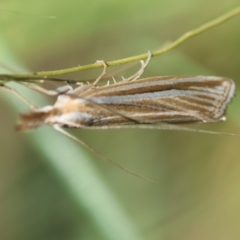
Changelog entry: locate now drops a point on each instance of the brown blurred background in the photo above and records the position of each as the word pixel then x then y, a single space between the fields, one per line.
pixel 196 193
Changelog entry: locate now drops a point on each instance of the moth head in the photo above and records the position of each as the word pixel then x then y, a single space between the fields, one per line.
pixel 32 120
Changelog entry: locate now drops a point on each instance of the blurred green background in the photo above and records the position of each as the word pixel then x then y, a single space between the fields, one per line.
pixel 52 188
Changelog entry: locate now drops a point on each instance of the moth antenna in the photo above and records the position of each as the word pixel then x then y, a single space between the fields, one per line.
pixel 20 96
pixel 59 129
pixel 103 72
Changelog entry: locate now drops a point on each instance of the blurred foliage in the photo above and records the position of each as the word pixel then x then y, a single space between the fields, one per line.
pixel 195 194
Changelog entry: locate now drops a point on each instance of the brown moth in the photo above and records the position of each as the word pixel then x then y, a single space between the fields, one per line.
pixel 169 99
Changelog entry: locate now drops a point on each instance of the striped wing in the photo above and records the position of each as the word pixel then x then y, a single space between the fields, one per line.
pixel 170 99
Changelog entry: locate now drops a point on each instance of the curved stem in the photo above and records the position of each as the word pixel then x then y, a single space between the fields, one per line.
pixel 223 18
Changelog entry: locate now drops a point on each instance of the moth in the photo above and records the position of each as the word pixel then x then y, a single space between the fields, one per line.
pixel 153 100
pixel 144 103
pixel 159 102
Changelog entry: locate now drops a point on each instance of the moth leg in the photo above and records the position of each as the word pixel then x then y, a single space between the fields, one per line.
pixel 138 74
pixel 19 95
pixel 80 89
pixel 66 89
pixel 60 90
pixel 61 130
pixel 114 80
pixel 83 88
pixel 103 72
